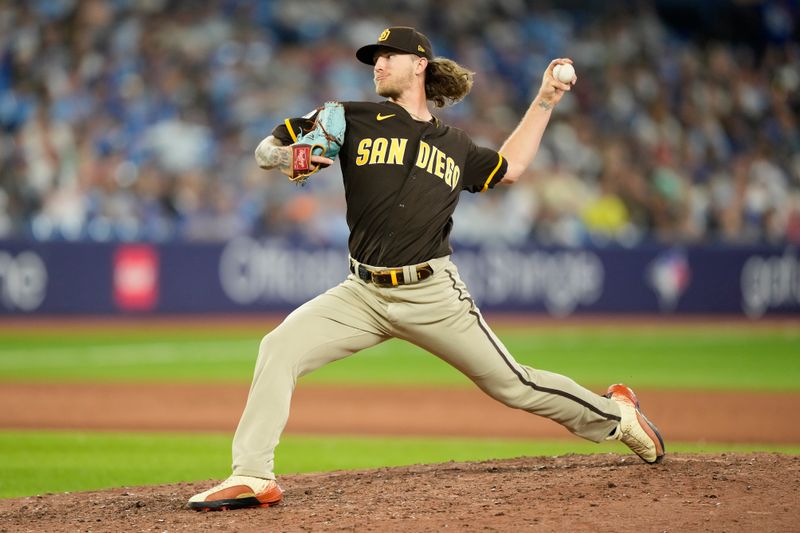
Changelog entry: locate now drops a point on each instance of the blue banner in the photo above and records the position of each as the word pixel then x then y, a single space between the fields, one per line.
pixel 246 275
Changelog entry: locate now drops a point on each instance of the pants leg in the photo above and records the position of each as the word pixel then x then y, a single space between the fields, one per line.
pixel 440 316
pixel 332 326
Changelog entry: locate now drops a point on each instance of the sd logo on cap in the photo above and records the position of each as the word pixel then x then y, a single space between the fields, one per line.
pixel 399 38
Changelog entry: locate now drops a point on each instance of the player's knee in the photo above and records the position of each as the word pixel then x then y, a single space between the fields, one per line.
pixel 273 357
pixel 273 339
pixel 283 341
pixel 264 345
pixel 271 345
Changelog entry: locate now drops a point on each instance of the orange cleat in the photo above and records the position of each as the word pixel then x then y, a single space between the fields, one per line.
pixel 238 492
pixel 635 430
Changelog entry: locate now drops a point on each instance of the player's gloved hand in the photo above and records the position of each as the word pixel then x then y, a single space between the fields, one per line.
pixel 319 145
pixel 295 161
pixel 303 162
pixel 314 150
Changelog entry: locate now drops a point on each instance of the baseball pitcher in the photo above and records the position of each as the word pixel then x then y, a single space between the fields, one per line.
pixel 404 171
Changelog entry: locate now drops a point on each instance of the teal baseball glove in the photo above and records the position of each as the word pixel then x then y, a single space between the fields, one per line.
pixel 325 139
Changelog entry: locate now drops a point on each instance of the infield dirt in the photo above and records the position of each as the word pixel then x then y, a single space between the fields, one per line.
pixel 687 416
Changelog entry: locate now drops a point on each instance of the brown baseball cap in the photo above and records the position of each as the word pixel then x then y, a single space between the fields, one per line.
pixel 400 38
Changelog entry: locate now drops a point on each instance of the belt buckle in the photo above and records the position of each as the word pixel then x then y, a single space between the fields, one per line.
pixel 388 278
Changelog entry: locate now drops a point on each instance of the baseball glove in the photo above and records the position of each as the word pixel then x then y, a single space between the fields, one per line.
pixel 325 138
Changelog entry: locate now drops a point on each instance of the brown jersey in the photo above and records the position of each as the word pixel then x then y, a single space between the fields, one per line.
pixel 402 180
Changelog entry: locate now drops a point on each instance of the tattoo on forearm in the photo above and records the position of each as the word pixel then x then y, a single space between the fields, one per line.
pixel 545 105
pixel 283 156
pixel 270 156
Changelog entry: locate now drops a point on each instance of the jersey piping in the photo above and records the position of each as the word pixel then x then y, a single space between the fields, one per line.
pixel 489 179
pixel 516 371
pixel 289 128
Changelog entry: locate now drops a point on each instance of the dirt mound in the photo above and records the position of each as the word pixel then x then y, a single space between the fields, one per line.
pixel 726 492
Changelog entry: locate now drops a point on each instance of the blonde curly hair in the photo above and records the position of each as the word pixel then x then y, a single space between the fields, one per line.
pixel 446 82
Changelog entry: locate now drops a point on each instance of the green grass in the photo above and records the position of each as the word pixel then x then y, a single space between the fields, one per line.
pixel 714 356
pixel 59 461
pixel 717 356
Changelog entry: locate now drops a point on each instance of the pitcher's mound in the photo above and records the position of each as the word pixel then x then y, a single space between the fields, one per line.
pixel 687 492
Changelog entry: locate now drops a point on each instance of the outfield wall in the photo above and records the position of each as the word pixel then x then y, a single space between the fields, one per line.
pixel 247 275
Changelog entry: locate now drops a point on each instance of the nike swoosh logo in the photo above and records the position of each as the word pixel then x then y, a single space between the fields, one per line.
pixel 384 117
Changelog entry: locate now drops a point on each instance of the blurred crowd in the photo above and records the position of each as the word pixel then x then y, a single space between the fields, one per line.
pixel 137 119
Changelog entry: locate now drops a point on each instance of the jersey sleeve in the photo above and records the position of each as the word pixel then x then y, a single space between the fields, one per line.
pixel 292 128
pixel 484 169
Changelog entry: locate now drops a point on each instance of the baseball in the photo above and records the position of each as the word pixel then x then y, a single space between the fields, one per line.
pixel 564 72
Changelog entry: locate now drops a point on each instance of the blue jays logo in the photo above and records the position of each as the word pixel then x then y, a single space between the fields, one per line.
pixel 669 274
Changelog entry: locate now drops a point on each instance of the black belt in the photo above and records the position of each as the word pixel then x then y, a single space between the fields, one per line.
pixel 389 277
